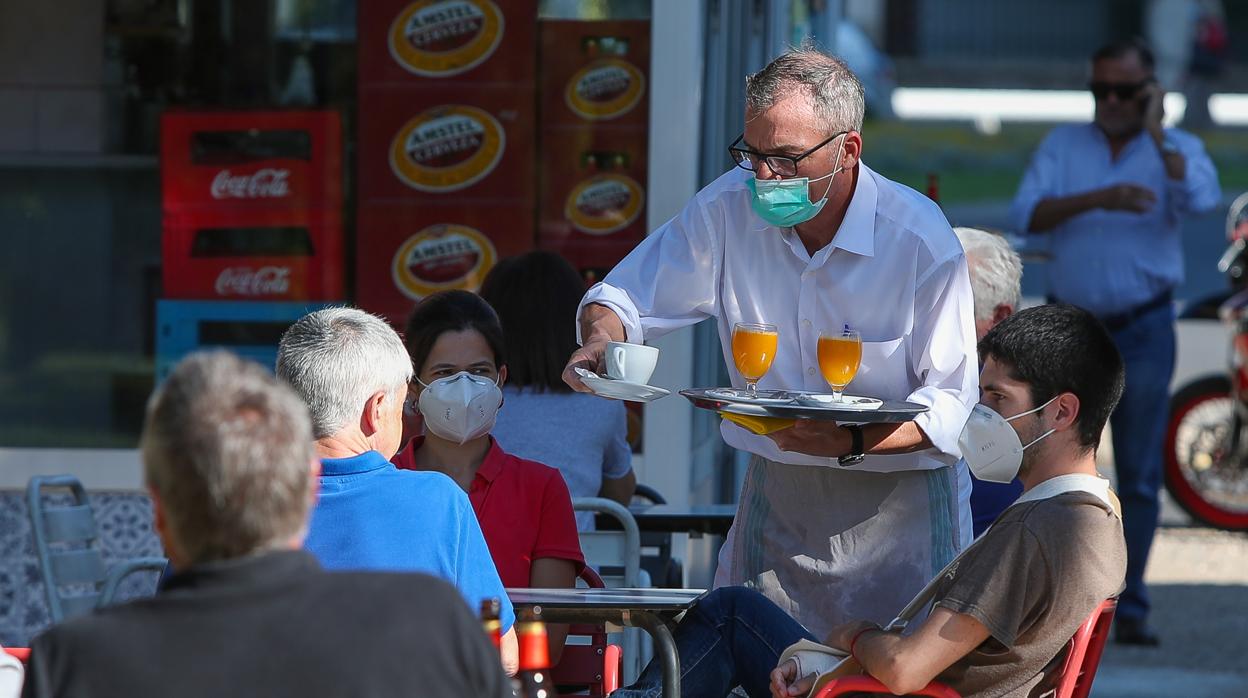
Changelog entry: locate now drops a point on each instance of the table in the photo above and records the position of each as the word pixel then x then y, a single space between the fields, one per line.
pixel 714 519
pixel 647 609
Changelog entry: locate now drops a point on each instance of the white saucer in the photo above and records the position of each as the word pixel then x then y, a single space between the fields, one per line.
pixel 764 397
pixel 620 390
pixel 848 402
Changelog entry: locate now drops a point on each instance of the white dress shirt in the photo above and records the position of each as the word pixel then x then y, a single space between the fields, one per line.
pixel 894 271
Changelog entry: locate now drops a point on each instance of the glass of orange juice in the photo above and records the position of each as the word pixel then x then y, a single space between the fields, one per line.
pixel 753 350
pixel 839 356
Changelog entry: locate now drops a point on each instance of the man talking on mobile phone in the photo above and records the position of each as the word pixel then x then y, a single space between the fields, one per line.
pixel 1111 195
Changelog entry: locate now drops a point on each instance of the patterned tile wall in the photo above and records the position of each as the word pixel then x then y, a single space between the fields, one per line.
pixel 124 522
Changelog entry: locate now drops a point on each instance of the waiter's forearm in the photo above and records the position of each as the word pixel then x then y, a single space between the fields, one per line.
pixel 598 322
pixel 893 439
pixel 1052 212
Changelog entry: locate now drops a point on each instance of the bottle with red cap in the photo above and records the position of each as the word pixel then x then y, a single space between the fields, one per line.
pixel 491 611
pixel 533 678
pixel 933 187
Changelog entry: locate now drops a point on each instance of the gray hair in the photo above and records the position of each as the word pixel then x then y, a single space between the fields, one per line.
pixel 227 449
pixel 336 359
pixel 996 270
pixel 835 92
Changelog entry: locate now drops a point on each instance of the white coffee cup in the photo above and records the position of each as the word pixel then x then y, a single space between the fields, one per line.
pixel 631 362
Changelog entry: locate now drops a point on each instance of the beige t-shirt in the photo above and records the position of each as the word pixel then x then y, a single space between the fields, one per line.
pixel 1033 579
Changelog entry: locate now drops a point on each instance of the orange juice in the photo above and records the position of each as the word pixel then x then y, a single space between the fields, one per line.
pixel 838 359
pixel 753 352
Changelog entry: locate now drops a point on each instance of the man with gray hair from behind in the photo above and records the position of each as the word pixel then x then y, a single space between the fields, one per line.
pixel 996 282
pixel 229 462
pixel 352 371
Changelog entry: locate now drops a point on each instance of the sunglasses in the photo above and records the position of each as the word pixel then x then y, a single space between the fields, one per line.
pixel 1122 90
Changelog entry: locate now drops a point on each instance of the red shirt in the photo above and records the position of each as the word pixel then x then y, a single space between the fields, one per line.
pixel 524 510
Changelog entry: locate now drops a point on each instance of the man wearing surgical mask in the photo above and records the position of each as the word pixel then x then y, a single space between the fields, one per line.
pixel 803 235
pixel 455 342
pixel 352 371
pixel 1010 603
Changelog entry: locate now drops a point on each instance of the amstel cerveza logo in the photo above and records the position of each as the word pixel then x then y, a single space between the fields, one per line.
pixel 605 89
pixel 437 38
pixel 604 204
pixel 441 257
pixel 447 148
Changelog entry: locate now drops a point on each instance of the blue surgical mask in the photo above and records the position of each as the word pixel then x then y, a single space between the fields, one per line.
pixel 785 203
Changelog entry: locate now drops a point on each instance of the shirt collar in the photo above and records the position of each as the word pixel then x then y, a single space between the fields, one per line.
pixel 267 566
pixel 857 231
pixel 493 463
pixel 355 465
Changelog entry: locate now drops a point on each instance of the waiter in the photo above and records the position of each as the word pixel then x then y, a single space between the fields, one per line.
pixel 803 235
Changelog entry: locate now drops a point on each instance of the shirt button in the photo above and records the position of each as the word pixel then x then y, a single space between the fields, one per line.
pixel 810 371
pixel 806 324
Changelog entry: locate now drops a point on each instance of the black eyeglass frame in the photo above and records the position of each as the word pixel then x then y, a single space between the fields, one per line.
pixel 742 156
pixel 1124 91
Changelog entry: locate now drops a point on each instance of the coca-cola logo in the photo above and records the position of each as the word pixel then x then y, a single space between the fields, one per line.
pixel 442 257
pixel 267 183
pixel 447 148
pixel 605 89
pixel 604 204
pixel 437 38
pixel 245 281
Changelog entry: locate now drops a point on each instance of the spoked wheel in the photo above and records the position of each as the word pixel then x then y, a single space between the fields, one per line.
pixel 1204 473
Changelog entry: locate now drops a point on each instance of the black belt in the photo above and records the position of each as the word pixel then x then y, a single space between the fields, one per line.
pixel 1116 321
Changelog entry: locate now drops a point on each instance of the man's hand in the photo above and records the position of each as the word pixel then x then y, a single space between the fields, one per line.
pixel 814 438
pixel 786 684
pixel 599 325
pixel 1154 110
pixel 1126 197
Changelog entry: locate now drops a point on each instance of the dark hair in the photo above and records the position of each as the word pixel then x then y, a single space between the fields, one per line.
pixel 1058 349
pixel 451 311
pixel 536 296
pixel 1122 47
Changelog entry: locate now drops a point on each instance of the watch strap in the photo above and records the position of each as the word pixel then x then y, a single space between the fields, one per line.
pixel 856 451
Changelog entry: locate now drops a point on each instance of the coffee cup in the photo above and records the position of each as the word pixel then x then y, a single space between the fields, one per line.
pixel 633 363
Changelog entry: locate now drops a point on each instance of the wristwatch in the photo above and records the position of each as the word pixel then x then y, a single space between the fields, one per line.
pixel 856 452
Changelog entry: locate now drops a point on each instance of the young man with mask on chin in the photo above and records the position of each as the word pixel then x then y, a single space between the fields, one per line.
pixel 1012 600
pixel 1111 197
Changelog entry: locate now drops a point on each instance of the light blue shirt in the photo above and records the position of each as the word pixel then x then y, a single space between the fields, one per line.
pixel 1111 261
pixel 582 435
pixel 372 516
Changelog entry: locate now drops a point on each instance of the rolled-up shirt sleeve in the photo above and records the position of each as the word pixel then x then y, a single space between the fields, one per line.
pixel 1198 191
pixel 667 282
pixel 1038 184
pixel 944 358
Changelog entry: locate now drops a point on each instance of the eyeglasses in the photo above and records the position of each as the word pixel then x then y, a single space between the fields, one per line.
pixel 1122 90
pixel 783 165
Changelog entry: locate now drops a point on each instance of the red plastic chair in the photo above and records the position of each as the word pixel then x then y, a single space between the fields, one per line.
pixel 1073 679
pixel 595 667
pixel 21 654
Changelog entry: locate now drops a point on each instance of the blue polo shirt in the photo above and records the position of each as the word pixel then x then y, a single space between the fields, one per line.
pixel 373 516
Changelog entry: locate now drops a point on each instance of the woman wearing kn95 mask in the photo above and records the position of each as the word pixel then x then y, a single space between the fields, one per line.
pixel 455 341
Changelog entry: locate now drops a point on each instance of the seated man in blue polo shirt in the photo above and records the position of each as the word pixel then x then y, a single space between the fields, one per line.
pixel 352 370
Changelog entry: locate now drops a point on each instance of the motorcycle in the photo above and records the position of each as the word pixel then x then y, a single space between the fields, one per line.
pixel 1206 448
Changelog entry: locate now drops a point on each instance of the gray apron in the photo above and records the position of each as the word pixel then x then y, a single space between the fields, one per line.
pixel 830 545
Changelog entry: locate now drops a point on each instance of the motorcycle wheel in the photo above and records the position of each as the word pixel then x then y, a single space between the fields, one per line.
pixel 1209 483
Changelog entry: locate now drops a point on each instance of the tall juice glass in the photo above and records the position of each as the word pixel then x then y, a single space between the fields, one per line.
pixel 753 350
pixel 839 356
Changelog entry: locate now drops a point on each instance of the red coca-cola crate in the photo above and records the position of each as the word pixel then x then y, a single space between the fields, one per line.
pixel 446 142
pixel 593 190
pixel 404 42
pixel 594 72
pixel 253 255
pixel 251 159
pixel 405 253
